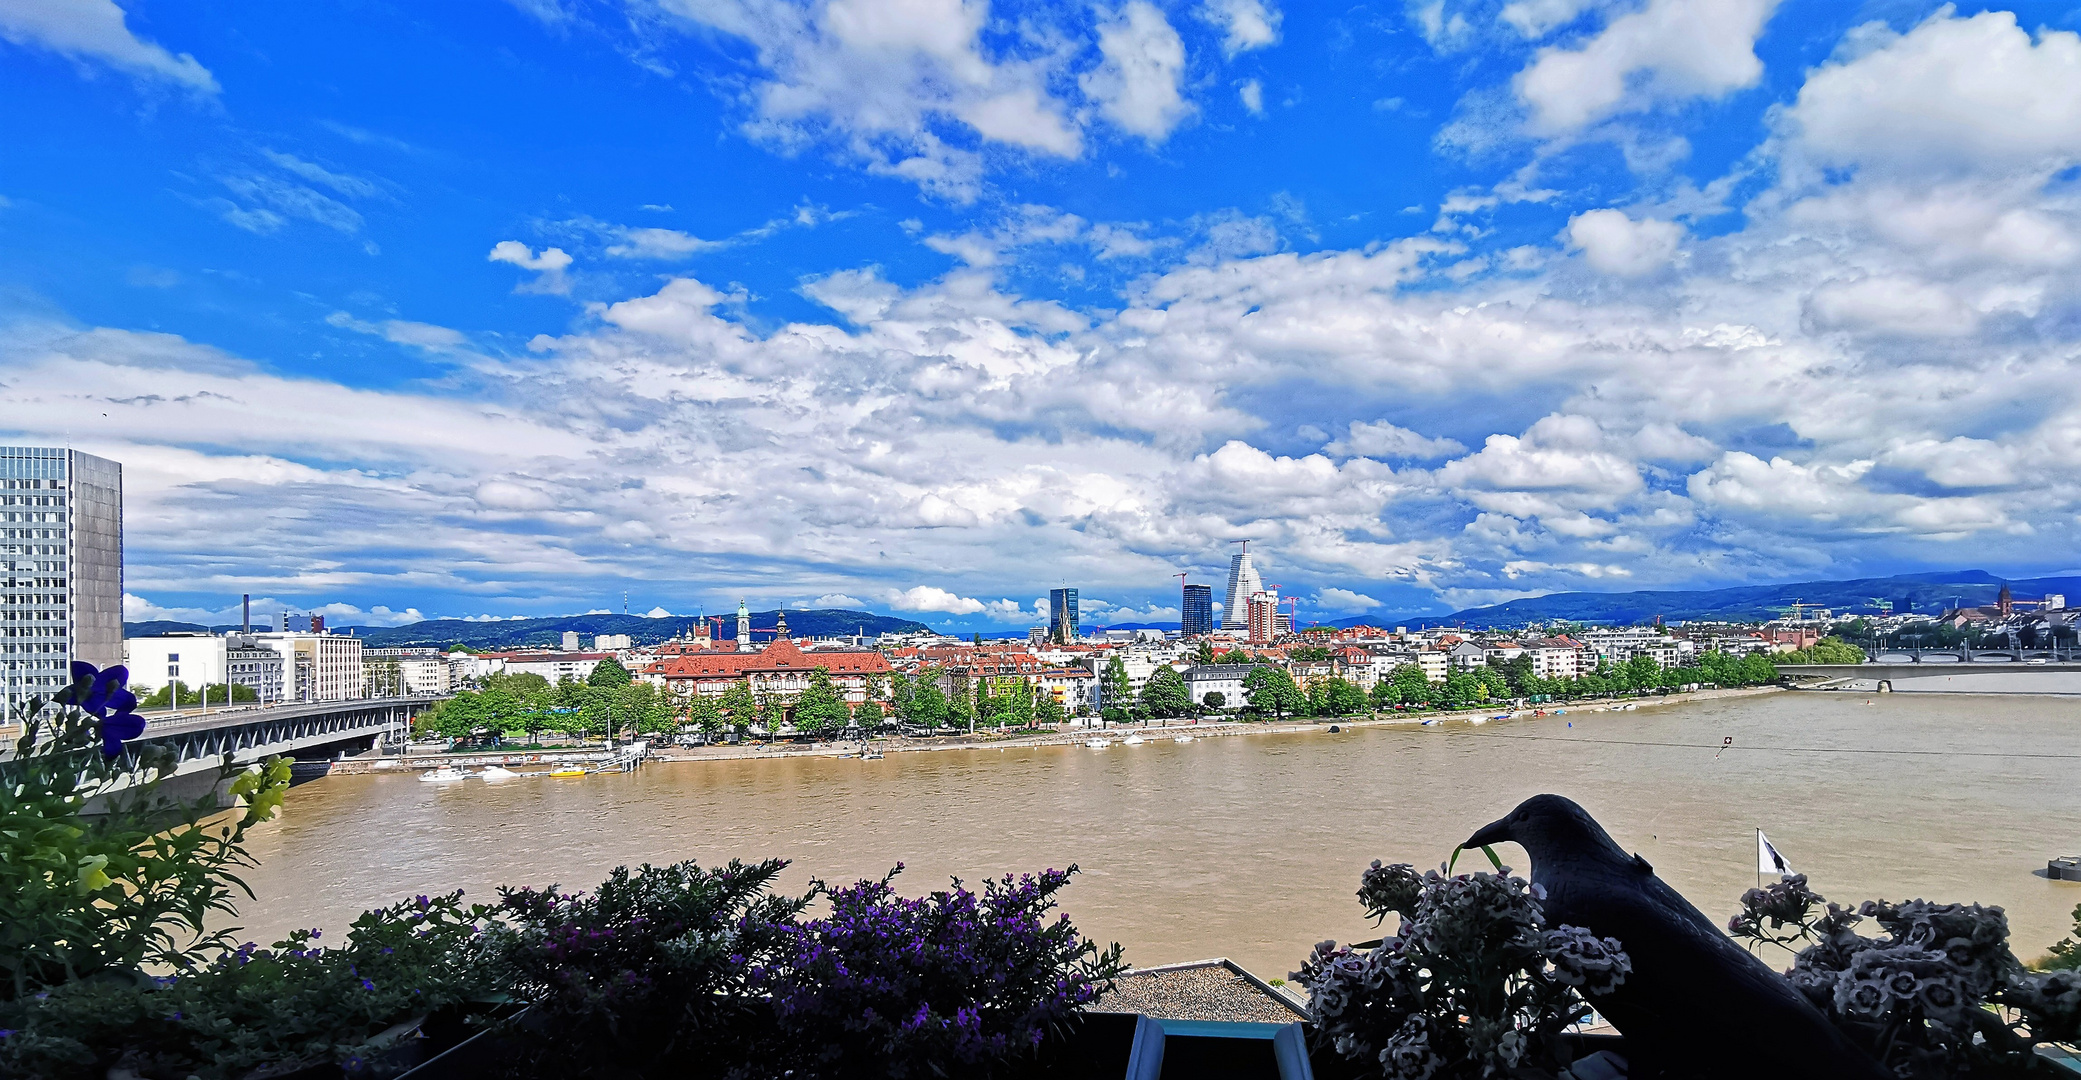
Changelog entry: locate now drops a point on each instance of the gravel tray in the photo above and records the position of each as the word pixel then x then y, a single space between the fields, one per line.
pixel 1199 992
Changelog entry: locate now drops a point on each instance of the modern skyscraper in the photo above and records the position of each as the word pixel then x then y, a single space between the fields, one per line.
pixel 1196 614
pixel 61 567
pixel 1243 583
pixel 1262 617
pixel 1062 616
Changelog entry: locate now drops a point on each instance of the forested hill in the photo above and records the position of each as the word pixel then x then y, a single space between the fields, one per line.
pixel 521 633
pixel 1926 594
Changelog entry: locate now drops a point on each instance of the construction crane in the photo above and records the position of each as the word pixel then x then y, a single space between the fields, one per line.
pixel 1798 609
pixel 1884 605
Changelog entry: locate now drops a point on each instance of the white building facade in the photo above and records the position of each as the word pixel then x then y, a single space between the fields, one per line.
pixel 61 567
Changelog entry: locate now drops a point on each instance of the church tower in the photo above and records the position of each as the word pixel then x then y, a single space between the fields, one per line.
pixel 743 627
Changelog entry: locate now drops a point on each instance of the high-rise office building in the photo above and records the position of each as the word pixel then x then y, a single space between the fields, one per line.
pixel 1062 616
pixel 1196 615
pixel 61 567
pixel 1262 617
pixel 1243 583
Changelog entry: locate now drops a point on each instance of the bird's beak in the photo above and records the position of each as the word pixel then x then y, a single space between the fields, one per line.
pixel 1495 832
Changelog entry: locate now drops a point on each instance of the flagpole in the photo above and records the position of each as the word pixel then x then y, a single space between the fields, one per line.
pixel 1759 856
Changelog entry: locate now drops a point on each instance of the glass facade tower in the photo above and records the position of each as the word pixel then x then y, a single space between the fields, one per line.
pixel 61 567
pixel 1196 616
pixel 1062 616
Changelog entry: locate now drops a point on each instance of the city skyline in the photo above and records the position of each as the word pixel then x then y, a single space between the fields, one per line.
pixel 507 310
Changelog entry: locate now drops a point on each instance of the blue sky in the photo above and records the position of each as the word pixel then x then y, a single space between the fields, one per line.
pixel 927 306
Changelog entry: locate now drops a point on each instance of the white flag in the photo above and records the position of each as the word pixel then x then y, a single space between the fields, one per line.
pixel 1768 861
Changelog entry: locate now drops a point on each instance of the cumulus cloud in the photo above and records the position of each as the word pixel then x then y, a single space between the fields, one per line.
pixel 1137 84
pixel 1380 439
pixel 1245 24
pixel 1616 244
pixel 1669 50
pixel 1343 601
pixel 840 600
pixel 95 30
pixel 933 598
pixel 549 266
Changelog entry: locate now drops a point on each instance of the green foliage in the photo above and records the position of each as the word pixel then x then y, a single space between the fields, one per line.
pixel 2066 955
pixel 180 694
pixel 1341 698
pixel 1113 685
pixel 1412 687
pixel 1271 690
pixel 1828 650
pixel 1308 654
pixel 821 709
pixel 705 714
pixel 927 705
pixel 111 893
pixel 1236 656
pixel 1205 653
pixel 608 674
pixel 1215 699
pixel 1046 710
pixel 295 1003
pixel 1166 694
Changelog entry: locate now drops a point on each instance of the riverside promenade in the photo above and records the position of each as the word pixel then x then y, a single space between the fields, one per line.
pixel 1157 733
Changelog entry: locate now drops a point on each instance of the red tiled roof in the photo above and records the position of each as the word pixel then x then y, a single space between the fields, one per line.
pixel 782 655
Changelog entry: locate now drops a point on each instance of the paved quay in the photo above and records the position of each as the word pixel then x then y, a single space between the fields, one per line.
pixel 1155 732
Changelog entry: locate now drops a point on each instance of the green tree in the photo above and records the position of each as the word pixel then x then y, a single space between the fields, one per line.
pixel 1308 654
pixel 927 707
pixel 608 674
pixel 1639 673
pixel 821 709
pixel 705 715
pixel 1046 710
pixel 1828 650
pixel 1018 705
pixel 738 704
pixel 641 707
pixel 1462 689
pixel 1383 694
pixel 1411 686
pixel 178 693
pixel 1341 698
pixel 1271 690
pixel 1205 654
pixel 523 686
pixel 1236 656
pixel 1113 685
pixel 1166 694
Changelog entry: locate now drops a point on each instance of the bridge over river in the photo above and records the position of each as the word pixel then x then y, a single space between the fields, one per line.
pixel 316 731
pixel 1948 671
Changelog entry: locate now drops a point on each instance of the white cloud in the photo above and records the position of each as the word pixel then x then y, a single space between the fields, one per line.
pixel 840 600
pixel 549 265
pixel 1343 601
pixel 95 30
pixel 657 612
pixel 1616 244
pixel 1669 50
pixel 1137 84
pixel 1245 24
pixel 1952 94
pixel 933 598
pixel 649 243
pixel 1534 19
pixel 1380 439
pixel 888 83
pixel 1252 95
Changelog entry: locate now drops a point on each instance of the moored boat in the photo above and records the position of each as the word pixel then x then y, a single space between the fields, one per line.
pixel 443 774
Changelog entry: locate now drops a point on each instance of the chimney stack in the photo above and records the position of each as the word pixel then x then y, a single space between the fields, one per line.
pixel 245 618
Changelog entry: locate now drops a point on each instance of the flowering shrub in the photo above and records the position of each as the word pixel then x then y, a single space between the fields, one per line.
pixel 292 1005
pixel 1474 985
pixel 649 968
pixel 951 981
pixel 132 885
pixel 1938 995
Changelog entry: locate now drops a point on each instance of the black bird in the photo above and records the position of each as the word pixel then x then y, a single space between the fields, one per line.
pixel 1696 1004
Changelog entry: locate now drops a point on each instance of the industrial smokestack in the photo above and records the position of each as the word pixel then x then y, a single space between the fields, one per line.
pixel 245 613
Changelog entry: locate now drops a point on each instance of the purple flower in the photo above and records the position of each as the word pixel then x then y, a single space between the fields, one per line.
pixel 105 695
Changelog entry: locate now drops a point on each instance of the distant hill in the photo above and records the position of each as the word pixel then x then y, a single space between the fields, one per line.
pixel 1926 594
pixel 521 633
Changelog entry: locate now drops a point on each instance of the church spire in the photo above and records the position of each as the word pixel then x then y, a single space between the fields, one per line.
pixel 743 626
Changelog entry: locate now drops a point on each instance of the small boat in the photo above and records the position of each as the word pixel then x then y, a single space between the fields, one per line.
pixel 875 755
pixel 1433 722
pixel 1334 729
pixel 1479 720
pixel 1133 740
pixel 1098 744
pixel 443 775
pixel 567 770
pixel 1632 708
pixel 497 772
pixel 1181 738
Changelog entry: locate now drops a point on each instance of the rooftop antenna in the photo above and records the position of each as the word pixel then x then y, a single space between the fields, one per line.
pixel 625 601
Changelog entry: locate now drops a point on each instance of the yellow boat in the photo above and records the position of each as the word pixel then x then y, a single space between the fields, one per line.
pixel 572 771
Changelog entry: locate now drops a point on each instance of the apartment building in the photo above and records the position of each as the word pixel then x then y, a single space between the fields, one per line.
pixel 61 567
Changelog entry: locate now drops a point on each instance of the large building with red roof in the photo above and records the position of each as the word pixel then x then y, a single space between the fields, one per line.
pixel 780 670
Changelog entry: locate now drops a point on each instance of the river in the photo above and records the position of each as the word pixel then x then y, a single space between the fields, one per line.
pixel 1250 846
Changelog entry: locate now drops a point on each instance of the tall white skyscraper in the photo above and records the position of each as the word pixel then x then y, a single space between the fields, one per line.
pixel 1243 583
pixel 61 567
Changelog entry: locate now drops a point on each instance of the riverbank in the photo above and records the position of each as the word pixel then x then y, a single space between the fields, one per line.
pixel 1157 732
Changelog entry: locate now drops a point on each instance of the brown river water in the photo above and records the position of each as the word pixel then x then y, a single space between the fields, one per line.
pixel 1250 847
